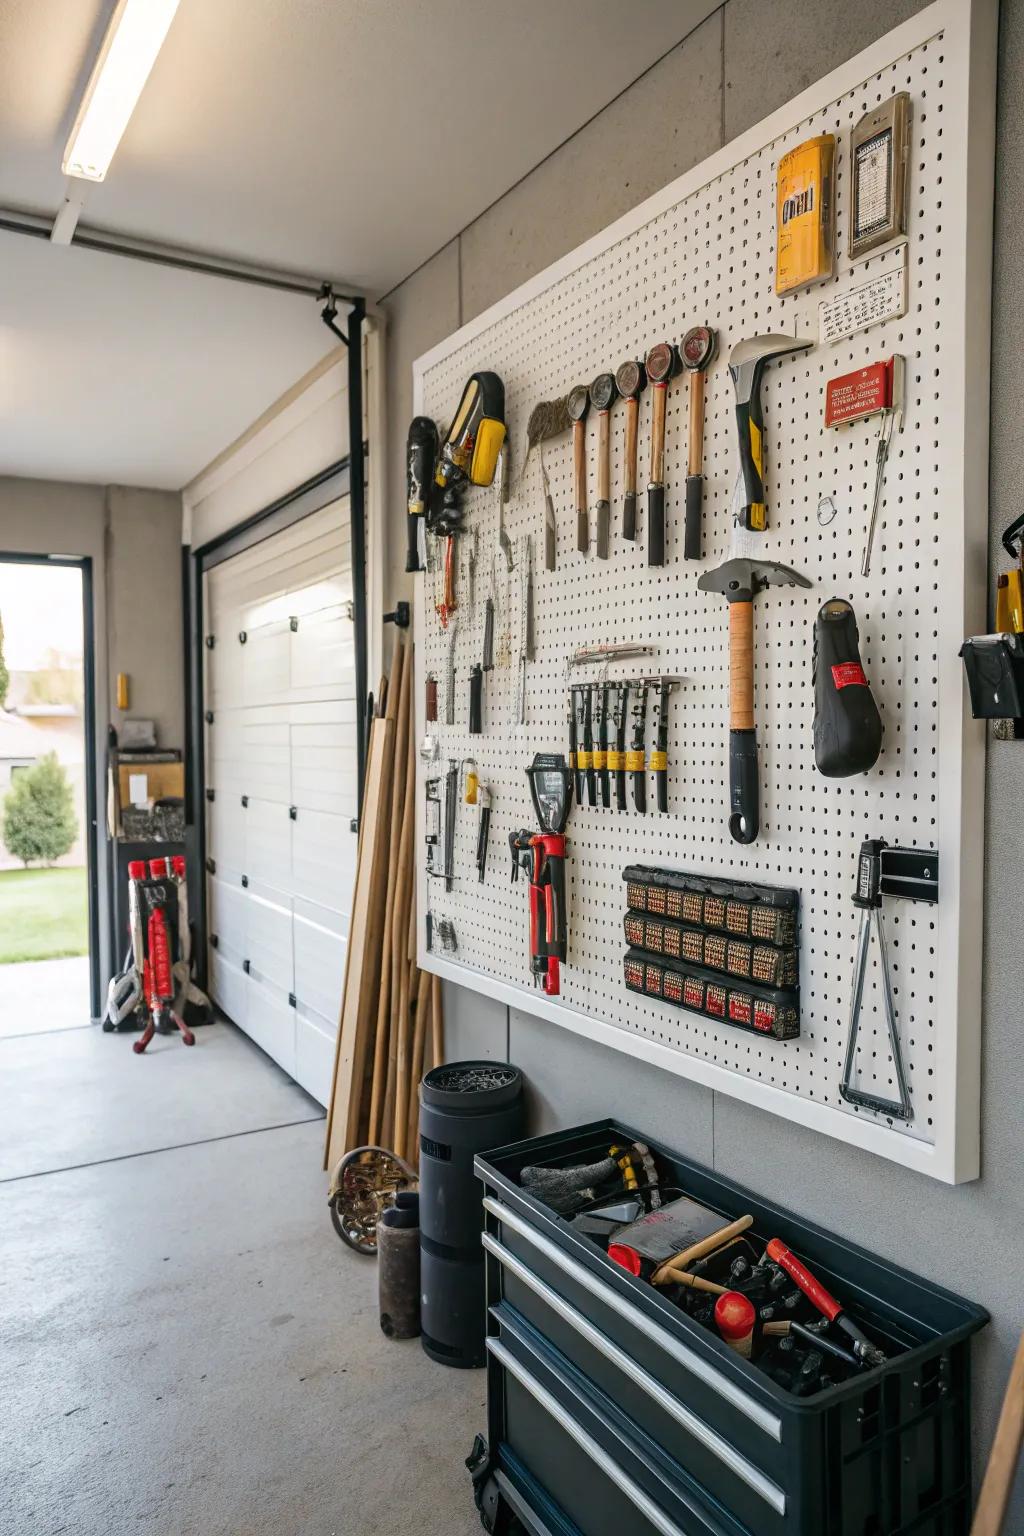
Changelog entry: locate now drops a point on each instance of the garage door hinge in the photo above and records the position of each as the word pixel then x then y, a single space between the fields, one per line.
pixel 208 717
pixel 242 637
pixel 293 624
pixel 211 866
pixel 211 641
pixel 293 813
pixel 245 966
pixel 214 941
pixel 353 825
pixel 291 1000
pixel 245 801
pixel 245 882
pixel 211 794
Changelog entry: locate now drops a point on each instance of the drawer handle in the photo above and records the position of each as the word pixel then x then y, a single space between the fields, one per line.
pixel 685 1417
pixel 688 1358
pixel 589 1446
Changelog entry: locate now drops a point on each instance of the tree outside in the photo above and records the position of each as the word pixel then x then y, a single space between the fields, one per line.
pixel 39 822
pixel 5 676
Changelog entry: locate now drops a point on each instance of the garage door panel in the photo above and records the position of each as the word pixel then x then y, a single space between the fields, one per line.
pixel 269 940
pixel 324 765
pixel 319 969
pixel 266 767
pixel 324 858
pixel 268 844
pixel 229 988
pixel 323 653
pixel 266 664
pixel 226 840
pixel 227 915
pixel 314 1056
pixel 271 1019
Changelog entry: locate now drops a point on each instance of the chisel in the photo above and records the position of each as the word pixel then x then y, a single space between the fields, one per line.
pixel 617 757
pixel 630 381
pixel 636 757
pixel 588 744
pixel 601 752
pixel 602 394
pixel 575 738
pixel 579 405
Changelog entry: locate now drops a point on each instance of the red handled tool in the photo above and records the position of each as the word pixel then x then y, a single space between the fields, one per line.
pixel 824 1301
pixel 542 856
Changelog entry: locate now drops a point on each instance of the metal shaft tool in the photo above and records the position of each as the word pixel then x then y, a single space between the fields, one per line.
pixel 601 750
pixel 550 525
pixel 630 381
pixel 588 744
pixel 659 757
pixel 868 897
pixel 891 417
pixel 746 365
pixel 739 581
pixel 483 830
pixel 636 757
pixel 449 695
pixel 602 395
pixel 698 351
pixel 617 755
pixel 579 405
pixel 826 1304
pixel 662 364
pixel 576 739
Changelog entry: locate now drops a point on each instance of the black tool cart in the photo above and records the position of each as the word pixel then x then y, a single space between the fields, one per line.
pixel 611 1412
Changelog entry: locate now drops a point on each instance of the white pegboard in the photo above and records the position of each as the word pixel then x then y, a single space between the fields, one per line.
pixel 703 252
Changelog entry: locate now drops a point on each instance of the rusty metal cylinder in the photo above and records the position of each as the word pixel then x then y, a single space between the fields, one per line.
pixel 398 1270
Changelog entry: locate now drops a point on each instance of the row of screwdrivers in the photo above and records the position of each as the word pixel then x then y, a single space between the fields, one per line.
pixel 600 715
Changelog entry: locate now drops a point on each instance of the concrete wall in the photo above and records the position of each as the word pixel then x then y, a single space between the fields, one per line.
pixel 744 61
pixel 133 538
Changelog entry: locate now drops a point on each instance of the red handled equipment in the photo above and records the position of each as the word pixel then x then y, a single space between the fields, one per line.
pixel 541 855
pixel 824 1301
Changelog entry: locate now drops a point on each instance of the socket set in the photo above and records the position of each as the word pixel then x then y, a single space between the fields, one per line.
pixel 763 1010
pixel 685 930
pixel 766 964
pixel 766 913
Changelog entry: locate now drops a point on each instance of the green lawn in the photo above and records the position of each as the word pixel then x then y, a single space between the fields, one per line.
pixel 44 914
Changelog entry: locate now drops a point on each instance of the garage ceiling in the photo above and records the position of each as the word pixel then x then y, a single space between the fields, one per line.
pixel 341 138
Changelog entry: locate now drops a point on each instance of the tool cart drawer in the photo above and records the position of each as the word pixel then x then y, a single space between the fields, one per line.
pixel 882 1452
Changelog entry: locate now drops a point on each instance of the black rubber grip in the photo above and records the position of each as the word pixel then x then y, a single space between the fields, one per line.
pixel 629 515
pixel 412 554
pixel 743 787
pixel 655 525
pixel 691 528
pixel 620 788
pixel 476 701
pixel 640 791
pixel 661 780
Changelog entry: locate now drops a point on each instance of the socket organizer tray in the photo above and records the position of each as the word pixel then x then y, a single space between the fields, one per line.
pixel 727 949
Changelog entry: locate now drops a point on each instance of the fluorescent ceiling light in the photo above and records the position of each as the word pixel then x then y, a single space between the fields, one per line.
pixel 134 38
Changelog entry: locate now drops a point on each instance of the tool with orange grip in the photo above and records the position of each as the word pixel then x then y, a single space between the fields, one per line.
pixel 824 1301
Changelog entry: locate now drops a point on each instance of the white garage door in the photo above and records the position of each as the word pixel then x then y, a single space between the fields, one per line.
pixel 281 766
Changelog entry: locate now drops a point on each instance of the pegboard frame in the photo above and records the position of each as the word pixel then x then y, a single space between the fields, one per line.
pixel 970 29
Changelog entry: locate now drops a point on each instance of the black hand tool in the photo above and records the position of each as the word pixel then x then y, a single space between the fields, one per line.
pixel 659 757
pixel 636 757
pixel 579 405
pixel 601 752
pixel 739 580
pixel 698 351
pixel 746 364
pixel 588 744
pixel 617 758
pixel 602 394
pixel 662 364
pixel 420 462
pixel 483 831
pixel 476 700
pixel 630 381
pixel 583 761
pixel 847 725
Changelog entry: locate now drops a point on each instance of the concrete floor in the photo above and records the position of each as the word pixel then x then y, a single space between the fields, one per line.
pixel 40 996
pixel 186 1345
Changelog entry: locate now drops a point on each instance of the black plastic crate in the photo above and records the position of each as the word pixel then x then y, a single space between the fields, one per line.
pixel 584 1355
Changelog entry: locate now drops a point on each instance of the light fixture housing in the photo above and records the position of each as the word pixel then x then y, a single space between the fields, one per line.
pixel 133 39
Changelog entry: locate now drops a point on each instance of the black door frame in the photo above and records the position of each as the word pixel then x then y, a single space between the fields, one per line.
pixel 312 496
pixel 84 564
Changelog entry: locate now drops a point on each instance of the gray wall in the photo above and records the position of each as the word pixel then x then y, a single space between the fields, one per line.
pixel 744 61
pixel 133 538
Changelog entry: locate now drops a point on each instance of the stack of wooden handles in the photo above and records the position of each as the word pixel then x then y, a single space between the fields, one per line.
pixel 392 1027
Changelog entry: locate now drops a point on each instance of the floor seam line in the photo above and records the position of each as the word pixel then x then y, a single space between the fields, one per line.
pixel 178 1146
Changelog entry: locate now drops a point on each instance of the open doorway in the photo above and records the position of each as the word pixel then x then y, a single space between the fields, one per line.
pixel 48 904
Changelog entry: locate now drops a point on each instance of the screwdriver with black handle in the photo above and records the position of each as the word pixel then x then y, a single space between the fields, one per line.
pixel 636 757
pixel 617 755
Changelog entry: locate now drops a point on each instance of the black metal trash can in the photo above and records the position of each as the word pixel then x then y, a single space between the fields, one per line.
pixel 465 1108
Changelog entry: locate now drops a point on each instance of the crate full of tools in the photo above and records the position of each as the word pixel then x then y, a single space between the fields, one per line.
pixel 727 949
